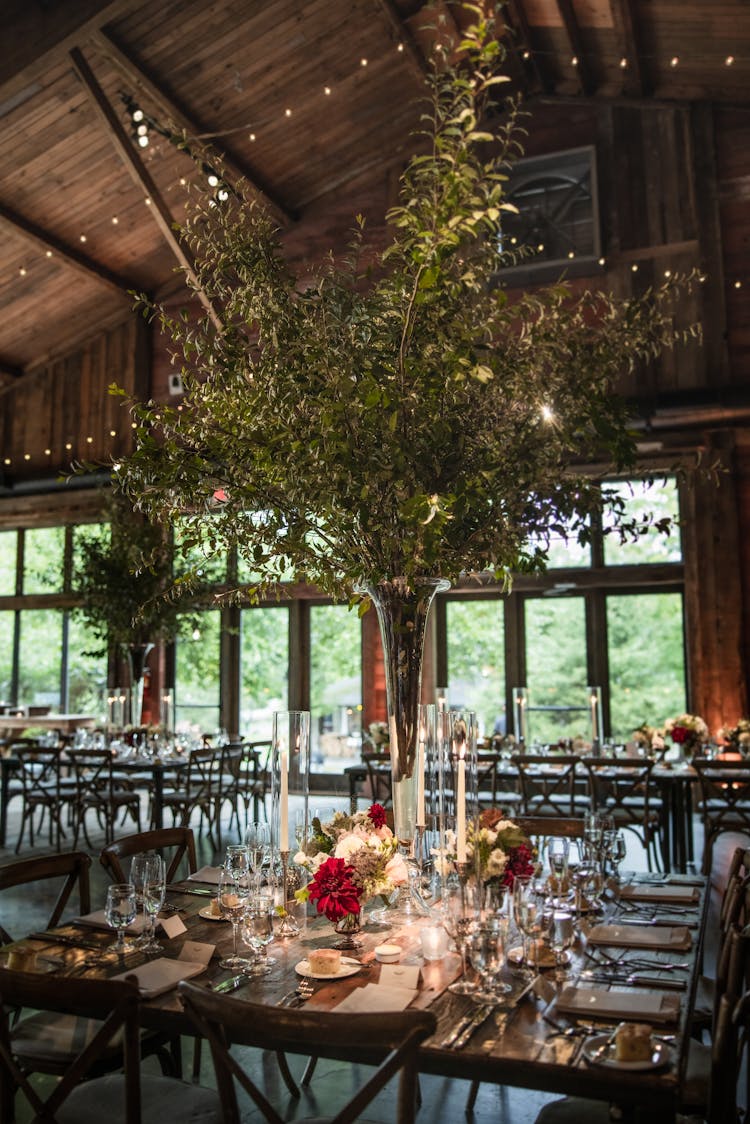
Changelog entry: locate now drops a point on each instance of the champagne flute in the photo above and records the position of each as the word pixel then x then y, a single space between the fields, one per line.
pixel 120 911
pixel 258 844
pixel 558 849
pixel 138 865
pixel 154 892
pixel 232 898
pixel 257 931
pixel 459 920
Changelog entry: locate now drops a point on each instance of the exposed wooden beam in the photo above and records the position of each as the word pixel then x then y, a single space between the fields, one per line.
pixel 36 37
pixel 10 369
pixel 140 176
pixel 404 35
pixel 577 49
pixel 635 78
pixel 135 74
pixel 515 14
pixel 64 252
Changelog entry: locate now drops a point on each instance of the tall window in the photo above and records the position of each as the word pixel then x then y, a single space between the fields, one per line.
pixel 335 686
pixel 556 668
pixel 476 661
pixel 646 660
pixel 40 658
pixel 197 677
pixel 264 662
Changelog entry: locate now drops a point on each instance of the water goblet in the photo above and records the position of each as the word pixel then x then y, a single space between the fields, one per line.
pixel 486 948
pixel 257 931
pixel 154 892
pixel 560 934
pixel 258 844
pixel 459 917
pixel 237 862
pixel 233 899
pixel 120 911
pixel 558 849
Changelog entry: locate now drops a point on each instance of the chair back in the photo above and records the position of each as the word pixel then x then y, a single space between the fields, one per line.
pixel 379 779
pixel 92 772
pixel 390 1040
pixel 72 866
pixel 38 772
pixel 113 1002
pixel 547 783
pixel 203 781
pixel 566 827
pixel 724 793
pixel 491 784
pixel 621 786
pixel 179 840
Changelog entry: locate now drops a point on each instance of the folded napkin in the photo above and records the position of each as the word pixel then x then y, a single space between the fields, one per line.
pixel 642 936
pixel 206 874
pixel 97 920
pixel 376 997
pixel 161 975
pixel 683 895
pixel 592 1001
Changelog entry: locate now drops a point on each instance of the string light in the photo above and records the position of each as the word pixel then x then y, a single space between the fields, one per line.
pixel 287 112
pixel 602 261
pixel 674 61
pixel 252 136
pixel 22 271
pixel 574 60
pixel 738 284
pixel 48 253
pixel 363 62
pixel 729 60
pixel 83 237
pixel 634 267
pixel 115 220
pixel 327 91
pixel 623 63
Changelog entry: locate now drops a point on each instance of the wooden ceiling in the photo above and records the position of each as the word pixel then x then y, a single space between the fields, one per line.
pixel 303 97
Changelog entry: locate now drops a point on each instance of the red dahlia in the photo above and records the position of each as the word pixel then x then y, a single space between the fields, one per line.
pixel 376 812
pixel 333 890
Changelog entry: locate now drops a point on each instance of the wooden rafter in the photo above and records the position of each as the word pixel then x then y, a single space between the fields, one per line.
pixel 133 72
pixel 626 25
pixel 577 50
pixel 515 14
pixel 140 176
pixel 10 370
pixel 64 252
pixel 404 35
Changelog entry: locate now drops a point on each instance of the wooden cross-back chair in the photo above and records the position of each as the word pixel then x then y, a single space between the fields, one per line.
pixel 200 792
pixel 41 790
pixel 179 841
pixel 492 785
pixel 98 790
pixel 389 1040
pixel 724 801
pixel 81 1096
pixel 622 788
pixel 549 784
pixel 72 866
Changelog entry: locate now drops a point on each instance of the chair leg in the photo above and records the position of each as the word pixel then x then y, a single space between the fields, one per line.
pixel 312 1061
pixel 471 1100
pixel 285 1072
pixel 197 1049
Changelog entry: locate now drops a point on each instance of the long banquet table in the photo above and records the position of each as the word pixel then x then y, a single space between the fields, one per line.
pixel 519 1044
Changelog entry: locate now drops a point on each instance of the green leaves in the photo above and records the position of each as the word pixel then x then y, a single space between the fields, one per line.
pixel 386 416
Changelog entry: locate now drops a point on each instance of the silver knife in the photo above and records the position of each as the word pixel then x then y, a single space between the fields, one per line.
pixel 474 1024
pixel 673 922
pixel 635 980
pixel 457 1030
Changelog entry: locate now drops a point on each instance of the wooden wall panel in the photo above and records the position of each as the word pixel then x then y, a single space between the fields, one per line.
pixel 67 402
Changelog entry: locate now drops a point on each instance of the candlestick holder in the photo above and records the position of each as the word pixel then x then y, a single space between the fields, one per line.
pixel 288 927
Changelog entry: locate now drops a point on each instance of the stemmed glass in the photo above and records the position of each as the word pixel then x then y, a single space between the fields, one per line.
pixel 237 862
pixel 120 911
pixel 154 892
pixel 528 913
pixel 616 851
pixel 258 845
pixel 487 954
pixel 232 898
pixel 144 869
pixel 560 934
pixel 460 917
pixel 257 931
pixel 558 849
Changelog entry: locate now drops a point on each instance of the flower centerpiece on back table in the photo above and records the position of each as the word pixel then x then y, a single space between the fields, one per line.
pixel 688 732
pixel 352 859
pixel 393 420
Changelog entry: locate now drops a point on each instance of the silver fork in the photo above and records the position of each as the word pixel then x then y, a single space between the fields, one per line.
pixel 302 992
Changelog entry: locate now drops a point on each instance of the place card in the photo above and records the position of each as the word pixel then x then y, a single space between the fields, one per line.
pixel 172 926
pixel 208 874
pixel 197 951
pixel 399 975
pixel 375 997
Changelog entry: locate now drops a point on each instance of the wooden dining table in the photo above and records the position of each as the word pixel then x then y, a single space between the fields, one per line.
pixel 521 1042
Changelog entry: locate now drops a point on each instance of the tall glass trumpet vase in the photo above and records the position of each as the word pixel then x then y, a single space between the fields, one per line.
pixel 290 779
pixel 403 607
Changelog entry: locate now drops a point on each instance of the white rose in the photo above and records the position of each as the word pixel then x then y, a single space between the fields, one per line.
pixel 347 845
pixel 496 863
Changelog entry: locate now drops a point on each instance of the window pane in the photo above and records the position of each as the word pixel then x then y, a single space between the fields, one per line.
pixel 476 664
pixel 6 655
pixel 87 674
pixel 659 501
pixel 209 568
pixel 8 547
pixel 264 656
pixel 556 669
pixel 40 658
pixel 197 677
pixel 646 660
pixel 44 550
pixel 335 687
pixel 86 533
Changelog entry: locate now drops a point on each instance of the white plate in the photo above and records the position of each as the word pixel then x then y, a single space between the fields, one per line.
pixel 659 1055
pixel 348 967
pixel 207 915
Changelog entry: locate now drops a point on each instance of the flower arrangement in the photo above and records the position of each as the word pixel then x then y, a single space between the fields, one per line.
pixel 687 731
pixel 649 738
pixel 352 858
pixel 736 737
pixel 496 848
pixel 377 737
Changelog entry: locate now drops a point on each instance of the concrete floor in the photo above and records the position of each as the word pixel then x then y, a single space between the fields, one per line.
pixel 443 1100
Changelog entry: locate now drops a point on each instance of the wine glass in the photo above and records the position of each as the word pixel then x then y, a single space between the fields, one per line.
pixel 120 911
pixel 528 913
pixel 257 931
pixel 237 862
pixel 558 849
pixel 258 844
pixel 560 934
pixel 617 852
pixel 233 899
pixel 486 947
pixel 154 892
pixel 459 917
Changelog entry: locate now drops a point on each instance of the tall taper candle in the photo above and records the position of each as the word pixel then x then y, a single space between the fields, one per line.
pixel 420 778
pixel 284 801
pixel 461 809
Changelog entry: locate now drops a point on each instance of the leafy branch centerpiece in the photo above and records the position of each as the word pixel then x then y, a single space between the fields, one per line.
pixel 395 420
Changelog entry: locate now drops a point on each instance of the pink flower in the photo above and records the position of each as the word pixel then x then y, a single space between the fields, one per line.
pixel 396 870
